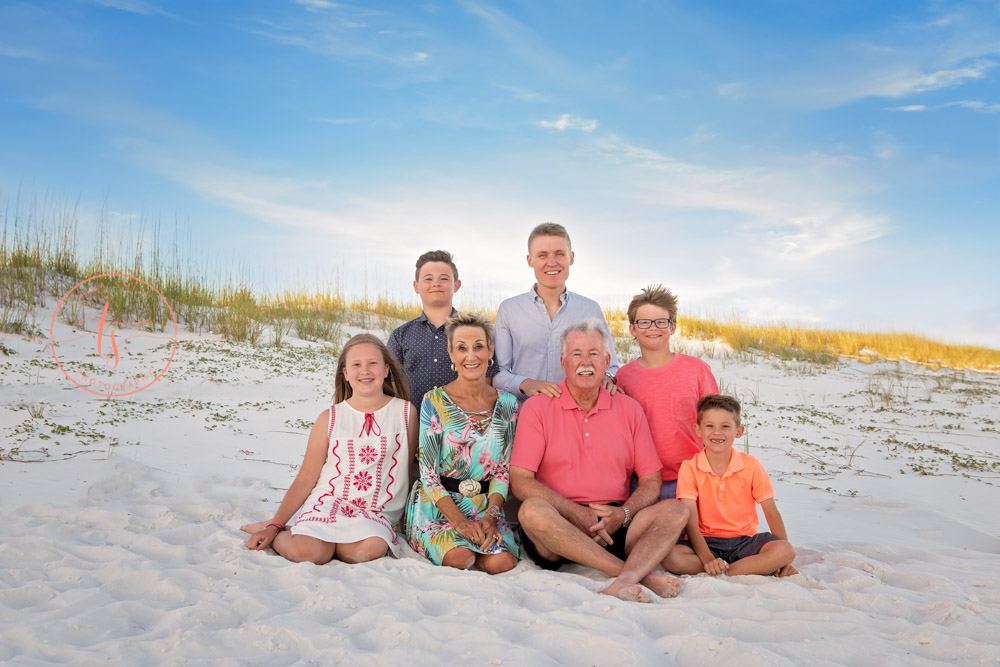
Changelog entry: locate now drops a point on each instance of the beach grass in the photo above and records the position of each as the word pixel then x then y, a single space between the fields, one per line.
pixel 41 260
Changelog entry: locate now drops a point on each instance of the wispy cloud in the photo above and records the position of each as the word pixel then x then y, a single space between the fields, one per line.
pixel 338 121
pixel 733 91
pixel 143 7
pixel 20 54
pixel 569 122
pixel 317 5
pixel 794 216
pixel 972 105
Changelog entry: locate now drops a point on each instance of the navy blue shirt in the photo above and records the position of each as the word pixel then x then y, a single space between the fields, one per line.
pixel 422 350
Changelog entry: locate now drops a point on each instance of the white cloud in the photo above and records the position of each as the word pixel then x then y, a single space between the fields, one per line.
pixel 733 91
pixel 972 105
pixel 142 7
pixel 793 215
pixel 338 121
pixel 316 5
pixel 569 122
pixel 884 145
pixel 20 54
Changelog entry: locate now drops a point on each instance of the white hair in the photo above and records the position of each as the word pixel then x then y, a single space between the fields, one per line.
pixel 589 325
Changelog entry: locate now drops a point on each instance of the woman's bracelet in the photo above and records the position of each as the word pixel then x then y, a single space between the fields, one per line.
pixel 495 512
pixel 280 526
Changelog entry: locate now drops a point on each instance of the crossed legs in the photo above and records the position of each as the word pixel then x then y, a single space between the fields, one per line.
pixel 652 534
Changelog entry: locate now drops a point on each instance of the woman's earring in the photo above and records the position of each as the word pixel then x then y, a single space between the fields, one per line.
pixel 491 362
pixel 453 369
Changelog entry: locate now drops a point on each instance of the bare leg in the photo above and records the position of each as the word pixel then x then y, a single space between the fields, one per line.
pixel 362 551
pixel 459 557
pixel 683 560
pixel 496 563
pixel 303 548
pixel 651 537
pixel 772 558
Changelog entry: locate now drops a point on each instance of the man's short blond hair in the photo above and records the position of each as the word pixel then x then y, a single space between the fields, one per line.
pixel 654 295
pixel 549 229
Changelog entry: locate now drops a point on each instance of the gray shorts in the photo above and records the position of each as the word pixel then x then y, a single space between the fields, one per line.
pixel 732 549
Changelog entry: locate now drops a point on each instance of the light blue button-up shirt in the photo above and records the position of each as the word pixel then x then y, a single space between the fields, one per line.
pixel 527 341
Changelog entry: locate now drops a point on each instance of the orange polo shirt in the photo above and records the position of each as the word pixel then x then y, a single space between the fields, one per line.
pixel 727 505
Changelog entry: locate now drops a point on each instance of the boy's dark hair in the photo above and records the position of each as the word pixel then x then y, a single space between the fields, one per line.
pixel 719 402
pixel 654 295
pixel 436 256
pixel 549 229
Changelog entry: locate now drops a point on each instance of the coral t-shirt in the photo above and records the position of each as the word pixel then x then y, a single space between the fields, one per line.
pixel 669 397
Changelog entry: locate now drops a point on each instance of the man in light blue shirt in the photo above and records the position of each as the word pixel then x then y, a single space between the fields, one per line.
pixel 528 326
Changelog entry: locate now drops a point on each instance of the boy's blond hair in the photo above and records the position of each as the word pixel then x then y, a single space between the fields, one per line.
pixel 549 229
pixel 654 295
pixel 719 402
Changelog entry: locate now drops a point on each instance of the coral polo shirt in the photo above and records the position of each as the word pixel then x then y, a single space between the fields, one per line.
pixel 727 505
pixel 585 456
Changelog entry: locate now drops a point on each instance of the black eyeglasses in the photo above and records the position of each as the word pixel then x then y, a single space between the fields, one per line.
pixel 662 323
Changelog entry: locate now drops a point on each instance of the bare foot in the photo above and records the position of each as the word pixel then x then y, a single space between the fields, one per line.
pixel 254 527
pixel 662 584
pixel 786 571
pixel 627 592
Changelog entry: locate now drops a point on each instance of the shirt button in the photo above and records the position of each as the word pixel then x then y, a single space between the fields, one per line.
pixel 587 434
pixel 435 361
pixel 435 337
pixel 585 421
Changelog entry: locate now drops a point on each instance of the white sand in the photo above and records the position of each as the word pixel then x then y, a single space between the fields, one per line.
pixel 132 553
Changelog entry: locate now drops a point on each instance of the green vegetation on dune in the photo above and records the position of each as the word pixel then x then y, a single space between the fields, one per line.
pixel 40 262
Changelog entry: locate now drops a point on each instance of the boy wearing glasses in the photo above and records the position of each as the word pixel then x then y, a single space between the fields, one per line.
pixel 666 384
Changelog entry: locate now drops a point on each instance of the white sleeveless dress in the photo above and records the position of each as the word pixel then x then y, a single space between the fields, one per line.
pixel 362 489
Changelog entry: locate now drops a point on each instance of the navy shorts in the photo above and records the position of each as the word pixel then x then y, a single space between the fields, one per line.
pixel 732 549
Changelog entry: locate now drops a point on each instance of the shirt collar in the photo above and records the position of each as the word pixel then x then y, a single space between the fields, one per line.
pixel 735 463
pixel 563 298
pixel 568 403
pixel 423 316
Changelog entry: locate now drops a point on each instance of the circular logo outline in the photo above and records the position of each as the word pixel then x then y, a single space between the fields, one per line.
pixel 173 352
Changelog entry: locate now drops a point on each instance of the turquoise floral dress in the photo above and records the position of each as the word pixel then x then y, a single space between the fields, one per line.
pixel 462 445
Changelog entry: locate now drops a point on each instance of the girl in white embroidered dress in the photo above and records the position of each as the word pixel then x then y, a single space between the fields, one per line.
pixel 352 487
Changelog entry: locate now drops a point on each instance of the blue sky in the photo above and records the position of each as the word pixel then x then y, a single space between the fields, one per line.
pixel 836 164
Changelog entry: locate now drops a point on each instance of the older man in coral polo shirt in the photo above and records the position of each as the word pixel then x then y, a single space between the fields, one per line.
pixel 572 460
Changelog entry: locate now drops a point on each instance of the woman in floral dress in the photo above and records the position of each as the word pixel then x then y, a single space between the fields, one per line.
pixel 455 515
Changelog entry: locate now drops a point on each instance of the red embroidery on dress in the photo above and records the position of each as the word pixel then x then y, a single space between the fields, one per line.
pixel 378 475
pixel 363 481
pixel 370 426
pixel 333 418
pixel 392 479
pixel 367 454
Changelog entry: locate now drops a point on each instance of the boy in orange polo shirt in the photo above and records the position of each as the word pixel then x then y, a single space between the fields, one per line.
pixel 721 489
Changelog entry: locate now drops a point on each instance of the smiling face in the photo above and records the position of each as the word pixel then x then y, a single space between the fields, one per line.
pixel 436 284
pixel 550 257
pixel 584 361
pixel 717 429
pixel 365 370
pixel 652 338
pixel 470 352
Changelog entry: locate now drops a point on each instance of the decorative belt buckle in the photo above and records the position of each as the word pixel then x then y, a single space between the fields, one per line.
pixel 469 487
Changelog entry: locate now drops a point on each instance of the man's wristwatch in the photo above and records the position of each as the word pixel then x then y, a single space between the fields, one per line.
pixel 628 517
pixel 610 377
pixel 495 512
